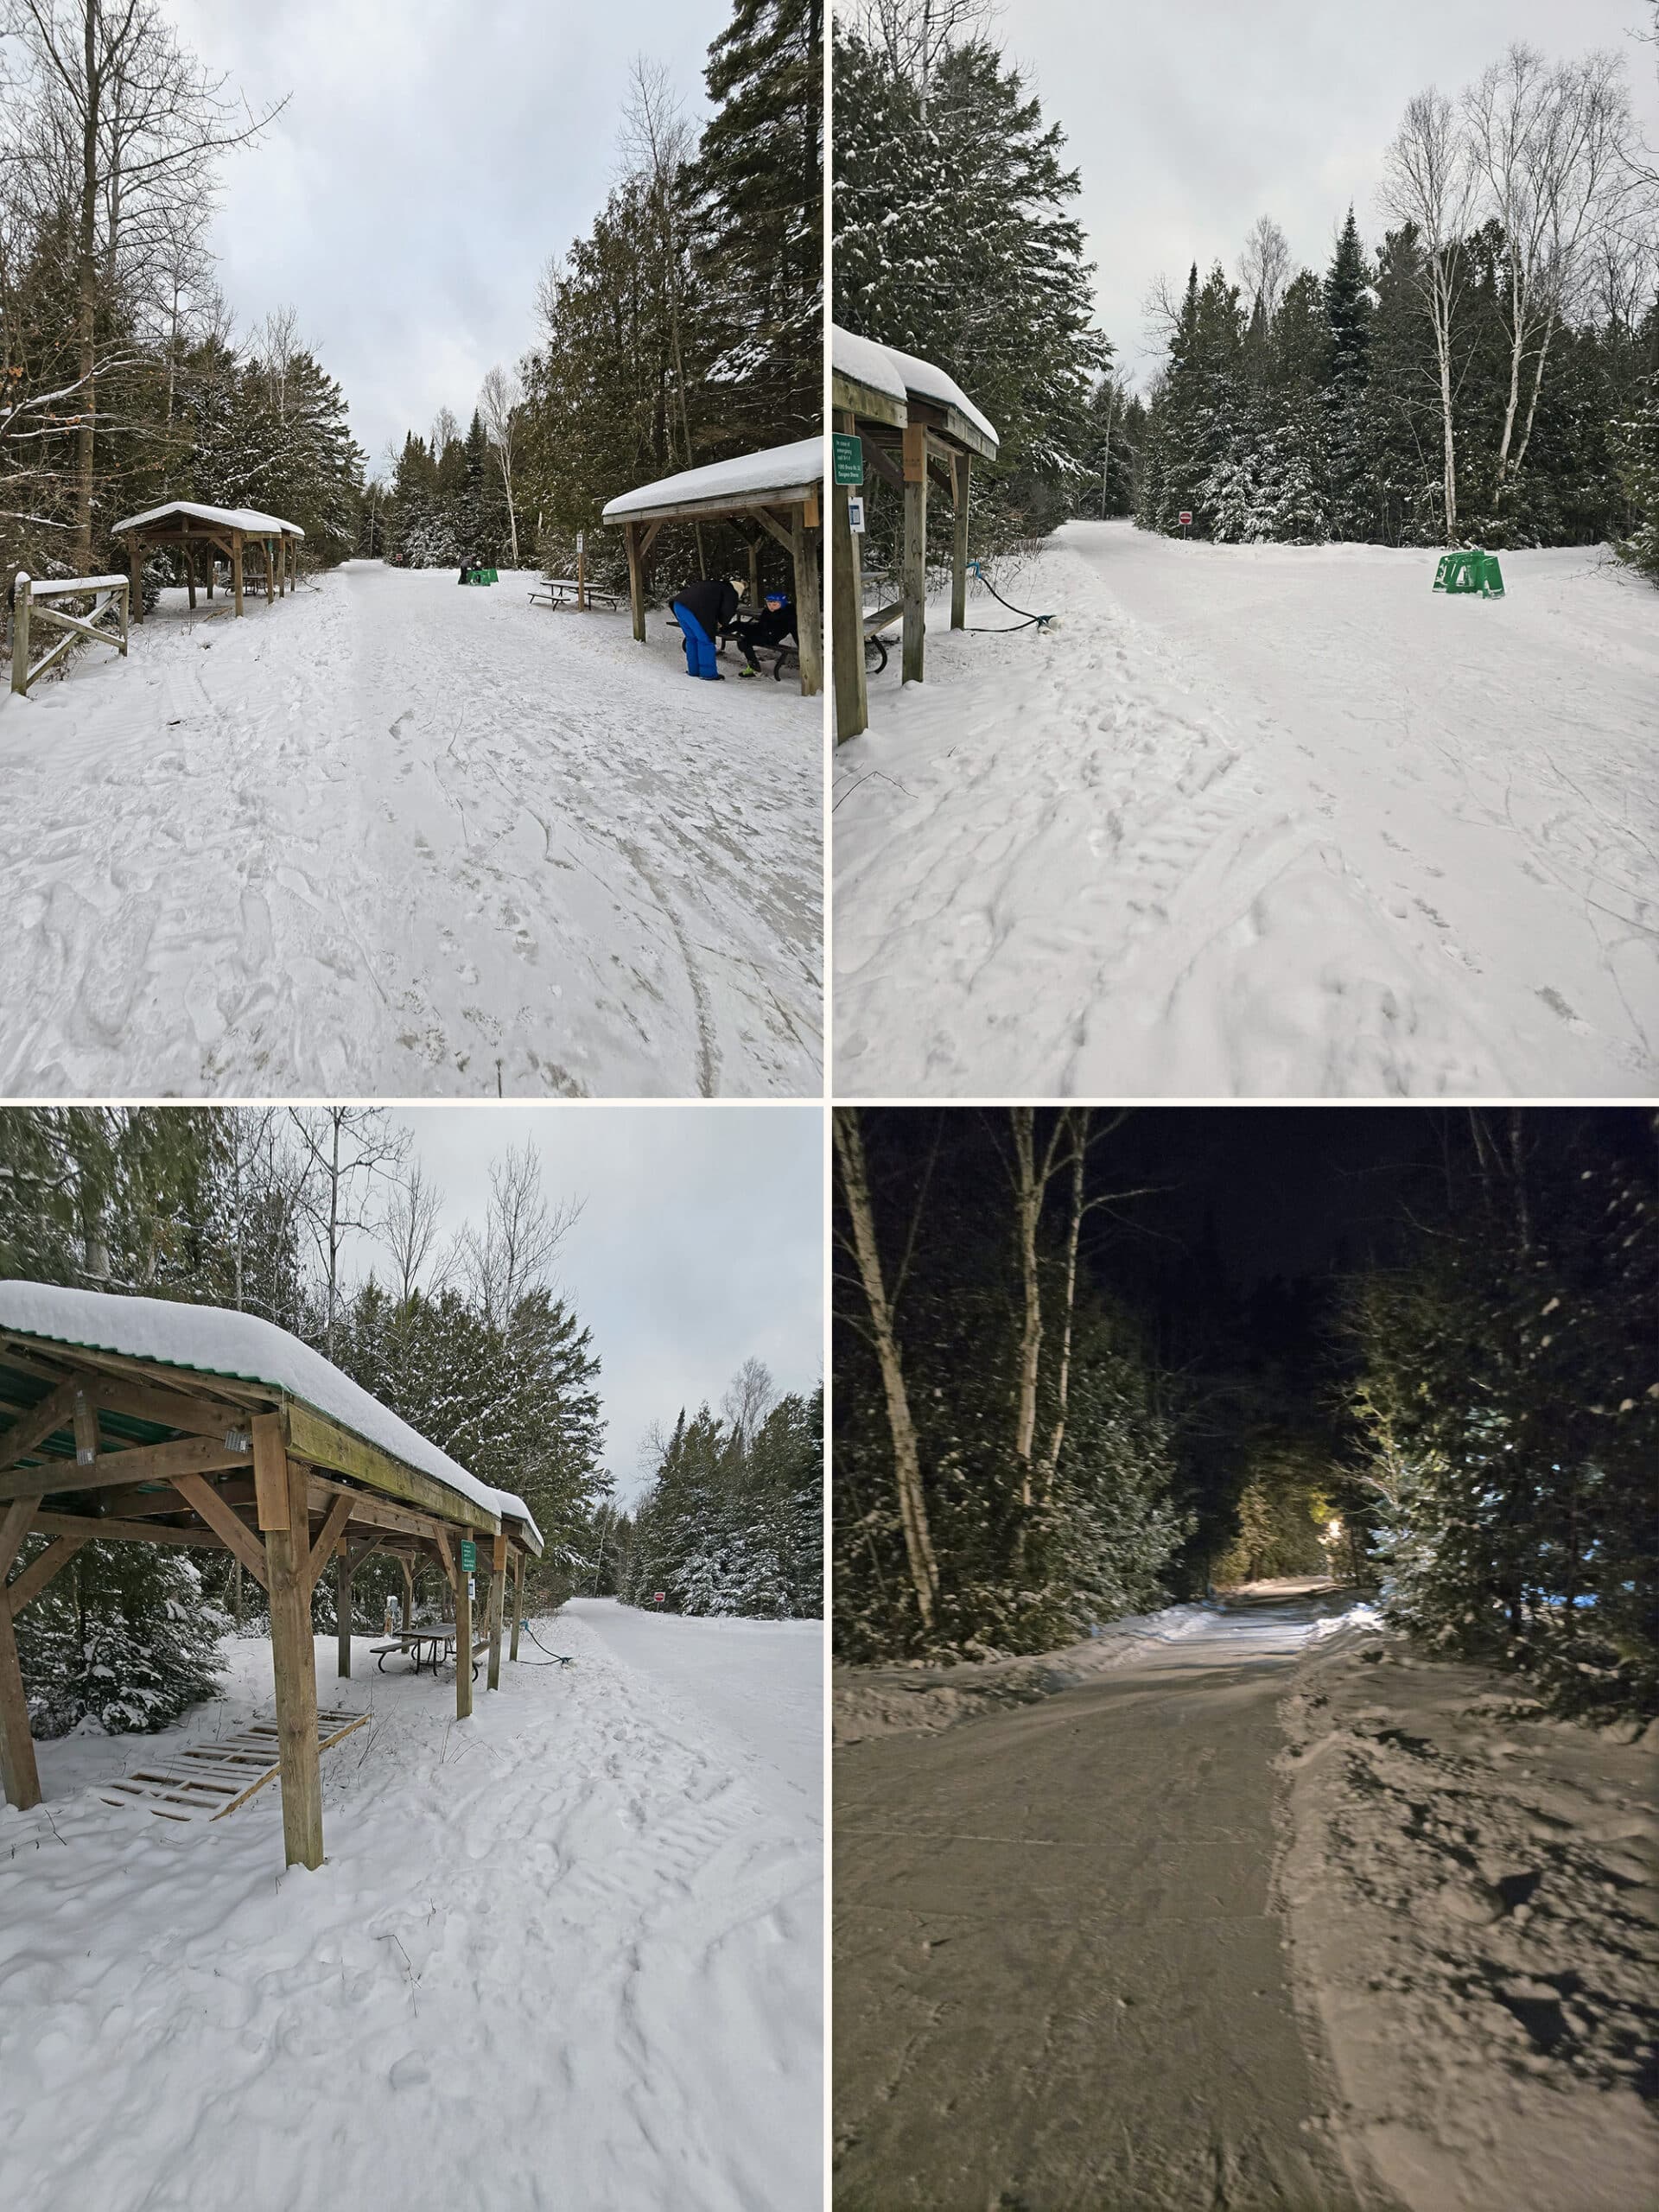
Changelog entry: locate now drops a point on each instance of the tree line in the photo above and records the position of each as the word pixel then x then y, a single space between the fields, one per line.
pixel 1035 1433
pixel 731 1519
pixel 683 327
pixel 258 1209
pixel 1488 372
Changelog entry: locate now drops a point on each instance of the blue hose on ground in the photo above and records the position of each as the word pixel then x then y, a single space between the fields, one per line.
pixel 1004 629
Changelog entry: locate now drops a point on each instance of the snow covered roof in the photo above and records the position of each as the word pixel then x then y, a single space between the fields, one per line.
pixel 212 1340
pixel 904 376
pixel 778 470
pixel 245 518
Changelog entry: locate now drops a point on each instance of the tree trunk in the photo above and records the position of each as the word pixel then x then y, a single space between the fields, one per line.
pixel 1079 1128
pixel 1028 1206
pixel 906 1458
pixel 87 306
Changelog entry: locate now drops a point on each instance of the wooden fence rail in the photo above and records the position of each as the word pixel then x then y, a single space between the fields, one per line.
pixel 109 596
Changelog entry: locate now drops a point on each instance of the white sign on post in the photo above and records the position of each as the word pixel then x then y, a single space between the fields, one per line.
pixel 855 516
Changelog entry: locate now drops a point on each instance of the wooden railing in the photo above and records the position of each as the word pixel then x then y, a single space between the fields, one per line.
pixel 109 596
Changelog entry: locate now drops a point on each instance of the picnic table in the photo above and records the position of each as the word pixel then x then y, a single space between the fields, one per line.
pixel 564 591
pixel 429 1647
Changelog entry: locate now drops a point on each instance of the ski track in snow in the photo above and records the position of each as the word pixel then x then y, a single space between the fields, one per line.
pixel 1260 821
pixel 567 1953
pixel 383 836
pixel 1060 1978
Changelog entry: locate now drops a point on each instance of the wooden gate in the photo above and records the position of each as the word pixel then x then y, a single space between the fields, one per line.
pixel 109 597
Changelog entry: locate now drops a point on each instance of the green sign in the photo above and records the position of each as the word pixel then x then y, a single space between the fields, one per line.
pixel 469 1555
pixel 849 458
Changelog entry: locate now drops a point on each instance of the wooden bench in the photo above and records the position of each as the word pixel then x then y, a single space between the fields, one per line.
pixel 565 591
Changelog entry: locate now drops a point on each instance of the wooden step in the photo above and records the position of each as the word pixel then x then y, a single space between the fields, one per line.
pixel 205 1781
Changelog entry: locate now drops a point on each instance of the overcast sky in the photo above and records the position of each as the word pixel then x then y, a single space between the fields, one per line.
pixel 700 1244
pixel 1189 120
pixel 433 155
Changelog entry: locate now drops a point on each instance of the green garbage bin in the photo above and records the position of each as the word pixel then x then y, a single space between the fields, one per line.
pixel 482 577
pixel 1471 569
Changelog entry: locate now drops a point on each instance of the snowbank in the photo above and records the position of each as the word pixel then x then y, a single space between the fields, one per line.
pixel 563 1954
pixel 892 1701
pixel 1472 1891
pixel 212 1340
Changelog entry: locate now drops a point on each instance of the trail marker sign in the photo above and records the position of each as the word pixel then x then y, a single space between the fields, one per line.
pixel 855 517
pixel 469 1555
pixel 848 461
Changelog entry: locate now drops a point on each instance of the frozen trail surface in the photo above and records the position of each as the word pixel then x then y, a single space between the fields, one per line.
pixel 1058 1978
pixel 392 837
pixel 1260 821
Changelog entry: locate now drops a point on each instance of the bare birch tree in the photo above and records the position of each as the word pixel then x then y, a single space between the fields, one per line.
pixel 915 35
pixel 522 1232
pixel 352 1152
pixel 500 397
pixel 409 1231
pixel 1430 180
pixel 1264 266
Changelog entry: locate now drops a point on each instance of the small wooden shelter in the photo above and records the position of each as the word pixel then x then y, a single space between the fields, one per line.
pixel 140 1420
pixel 779 491
pixel 184 527
pixel 915 424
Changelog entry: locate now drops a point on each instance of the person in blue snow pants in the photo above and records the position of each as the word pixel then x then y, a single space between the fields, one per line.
pixel 702 609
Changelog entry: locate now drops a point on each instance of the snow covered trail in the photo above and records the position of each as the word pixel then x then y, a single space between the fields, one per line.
pixel 1260 821
pixel 1058 1978
pixel 565 1954
pixel 395 838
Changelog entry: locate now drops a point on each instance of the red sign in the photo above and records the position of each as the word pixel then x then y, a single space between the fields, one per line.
pixel 659 1597
pixel 1186 517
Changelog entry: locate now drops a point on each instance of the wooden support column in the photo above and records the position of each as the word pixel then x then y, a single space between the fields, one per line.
pixel 754 572
pixel 270 573
pixel 636 579
pixel 210 559
pixel 19 1775
pixel 808 599
pixel 20 634
pixel 463 1643
pixel 847 610
pixel 136 564
pixel 190 572
pixel 343 1610
pixel 294 1658
pixel 913 578
pixel 236 567
pixel 960 467
pixel 497 1596
pixel 408 1567
pixel 517 1601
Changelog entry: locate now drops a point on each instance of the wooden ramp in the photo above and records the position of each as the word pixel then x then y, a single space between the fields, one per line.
pixel 203 1782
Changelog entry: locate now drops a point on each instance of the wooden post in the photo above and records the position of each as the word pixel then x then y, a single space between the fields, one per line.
pixel 20 634
pixel 636 580
pixel 754 575
pixel 270 573
pixel 581 572
pixel 498 1594
pixel 236 567
pixel 408 1567
pixel 136 564
pixel 210 558
pixel 847 612
pixel 960 467
pixel 343 1610
pixel 463 1645
pixel 19 1776
pixel 190 572
pixel 913 580
pixel 517 1601
pixel 809 604
pixel 294 1657
pixel 281 566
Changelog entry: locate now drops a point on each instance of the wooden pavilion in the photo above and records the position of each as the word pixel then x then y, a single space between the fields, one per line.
pixel 185 528
pixel 140 1420
pixel 916 424
pixel 777 491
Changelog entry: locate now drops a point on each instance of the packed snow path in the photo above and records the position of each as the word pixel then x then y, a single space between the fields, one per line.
pixel 396 837
pixel 1058 1980
pixel 1262 821
pixel 567 1953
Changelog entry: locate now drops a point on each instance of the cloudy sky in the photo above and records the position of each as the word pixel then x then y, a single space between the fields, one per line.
pixel 1190 119
pixel 433 155
pixel 701 1243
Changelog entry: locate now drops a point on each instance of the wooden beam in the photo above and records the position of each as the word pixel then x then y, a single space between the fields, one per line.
pixel 14 1525
pixel 219 1518
pixel 294 1665
pixel 636 580
pixel 343 1613
pixel 270 1471
pixel 19 1775
pixel 96 1527
pixel 441 1539
pixel 325 1444
pixel 136 561
pixel 368 1511
pixel 323 1551
pixel 517 1601
pixel 913 569
pixel 236 586
pixel 158 1463
pixel 885 466
pixel 498 1593
pixel 960 493
pixel 809 605
pixel 53 1412
pixel 463 1646
pixel 39 1572
pixel 140 1501
pixel 781 530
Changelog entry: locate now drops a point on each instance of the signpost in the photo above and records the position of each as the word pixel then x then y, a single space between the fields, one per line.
pixel 658 1596
pixel 1185 520
pixel 849 457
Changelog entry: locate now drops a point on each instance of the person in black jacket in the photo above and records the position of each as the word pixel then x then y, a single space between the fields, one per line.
pixel 702 609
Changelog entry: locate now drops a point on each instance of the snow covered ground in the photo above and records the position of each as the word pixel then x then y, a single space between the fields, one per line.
pixel 567 1953
pixel 1260 821
pixel 400 838
pixel 1473 1898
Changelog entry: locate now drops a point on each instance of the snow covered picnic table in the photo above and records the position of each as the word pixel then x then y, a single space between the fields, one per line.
pixel 429 1647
